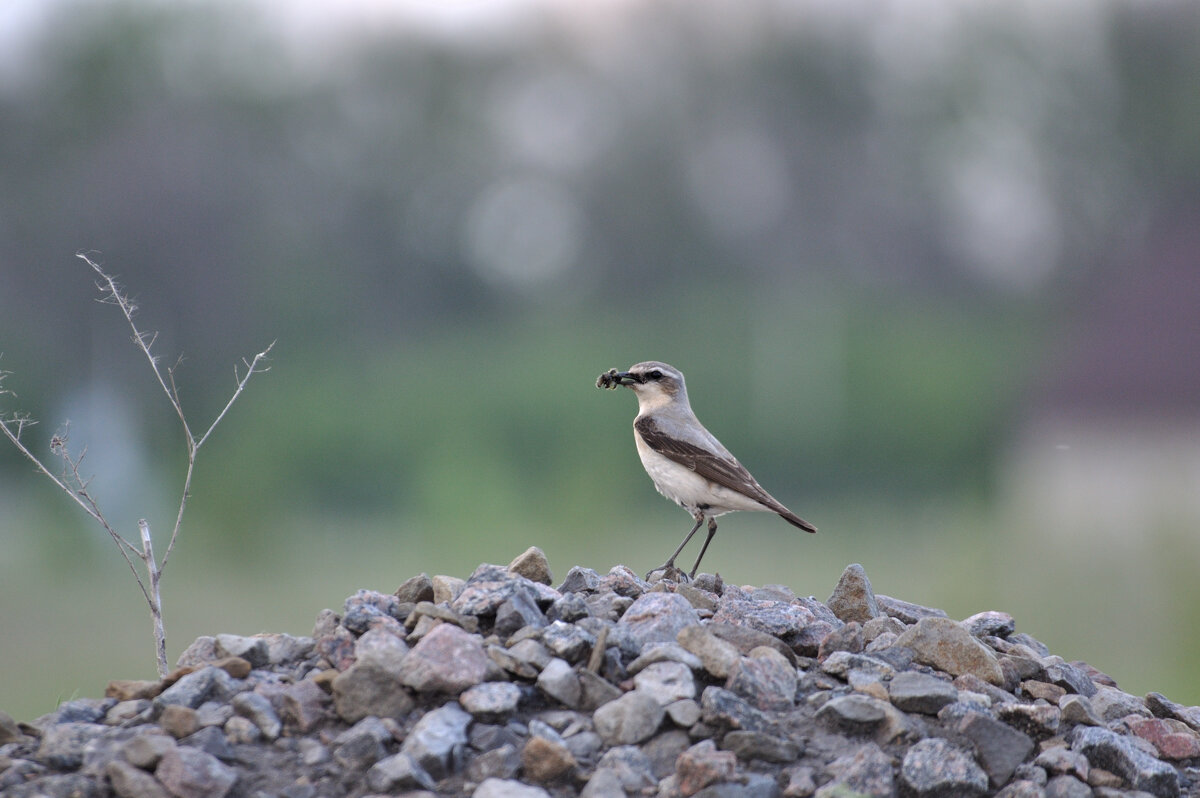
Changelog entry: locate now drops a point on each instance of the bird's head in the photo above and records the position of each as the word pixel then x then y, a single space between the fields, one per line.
pixel 655 383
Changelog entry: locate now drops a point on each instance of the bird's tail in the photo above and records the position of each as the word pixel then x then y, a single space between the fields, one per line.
pixel 795 520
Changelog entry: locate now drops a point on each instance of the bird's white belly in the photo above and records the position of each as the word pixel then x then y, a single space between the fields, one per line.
pixel 690 490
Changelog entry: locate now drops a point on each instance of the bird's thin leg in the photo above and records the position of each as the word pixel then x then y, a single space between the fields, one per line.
pixel 670 563
pixel 712 530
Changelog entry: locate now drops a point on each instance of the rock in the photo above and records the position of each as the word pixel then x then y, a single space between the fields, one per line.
pixel 666 682
pixel 684 714
pixel 767 680
pixel 559 681
pixel 1078 710
pixel 866 771
pixel 628 720
pixel 726 709
pixel 304 705
pixel 191 773
pixel 658 618
pixel 1113 704
pixel 568 641
pixel 1067 787
pixel 126 690
pixel 436 741
pixel 533 565
pixel 1172 741
pixel 745 639
pixel 665 652
pixel 507 788
pixel 129 781
pixel 949 647
pixel 990 624
pixel 1037 720
pixel 370 688
pixel 631 766
pixel 446 588
pixel 934 768
pixel 251 649
pixel 491 700
pixel 260 712
pixel 1110 751
pixel 362 745
pixel 62 745
pixel 447 660
pixel 1070 678
pixel 398 772
pixel 853 714
pixel 918 692
pixel 760 745
pixel 717 656
pixel 906 611
pixel 1060 761
pixel 498 763
pixel 1162 707
pixel 145 750
pixel 702 765
pixel 852 598
pixel 793 624
pixel 546 761
pixel 414 589
pixel 999 747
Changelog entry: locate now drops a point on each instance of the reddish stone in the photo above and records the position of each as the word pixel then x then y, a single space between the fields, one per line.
pixel 702 765
pixel 1171 742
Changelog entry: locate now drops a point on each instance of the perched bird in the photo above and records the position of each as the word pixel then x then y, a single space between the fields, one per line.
pixel 688 465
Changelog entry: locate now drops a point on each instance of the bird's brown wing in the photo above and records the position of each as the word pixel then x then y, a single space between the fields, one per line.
pixel 724 471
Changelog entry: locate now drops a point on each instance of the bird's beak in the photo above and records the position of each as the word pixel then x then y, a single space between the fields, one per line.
pixel 625 378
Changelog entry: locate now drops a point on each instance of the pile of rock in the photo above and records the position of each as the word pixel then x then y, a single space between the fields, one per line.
pixel 501 686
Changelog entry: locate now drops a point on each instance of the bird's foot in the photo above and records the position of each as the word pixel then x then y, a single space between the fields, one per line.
pixel 667 571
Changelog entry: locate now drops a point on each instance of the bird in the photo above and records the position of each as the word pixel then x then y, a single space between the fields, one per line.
pixel 686 462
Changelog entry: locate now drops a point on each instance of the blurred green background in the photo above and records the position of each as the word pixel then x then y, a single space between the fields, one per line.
pixel 932 271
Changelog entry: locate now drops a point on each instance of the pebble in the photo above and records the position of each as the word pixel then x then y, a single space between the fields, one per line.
pixel 949 647
pixel 501 685
pixel 852 598
pixel 934 767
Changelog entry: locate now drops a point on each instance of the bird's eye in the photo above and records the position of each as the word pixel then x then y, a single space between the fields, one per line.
pixel 655 375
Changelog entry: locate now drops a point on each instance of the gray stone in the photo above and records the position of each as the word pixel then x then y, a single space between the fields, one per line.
pixel 664 652
pixel 370 688
pixel 906 611
pixel 398 772
pixel 1162 707
pixel 508 788
pixel 240 730
pixel 658 618
pixel 414 589
pixel 10 732
pixel 1000 747
pixel 949 647
pixel 597 691
pixel 766 679
pixel 491 700
pixel 1070 678
pixel 604 783
pixel 795 625
pixel 841 663
pixel 447 660
pixel 517 612
pixel 1117 754
pixel 502 762
pixel 62 746
pixel 210 740
pixel 1022 789
pixel 362 745
pixel 580 580
pixel 717 656
pixel 1037 720
pixel 760 745
pixel 436 742
pixel 251 649
pixel 852 598
pixel 1078 710
pixel 1061 761
pixel 1113 704
pixel 868 771
pixel 192 773
pixel 912 691
pixel 666 682
pixel 303 705
pixel 853 714
pixel 568 608
pixel 533 565
pixel 633 768
pixel 259 711
pixel 191 690
pixel 684 714
pixel 726 709
pixel 129 781
pixel 990 624
pixel 568 641
pixel 630 719
pixel 146 749
pixel 746 639
pixel 1067 787
pixel 933 768
pixel 559 681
